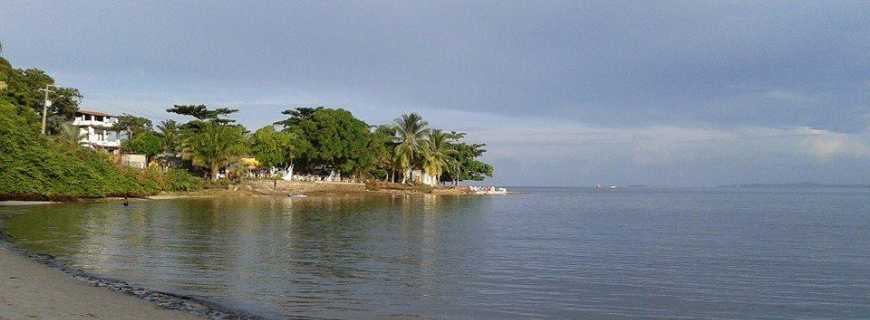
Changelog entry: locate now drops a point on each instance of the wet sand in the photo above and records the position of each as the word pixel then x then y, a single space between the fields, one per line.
pixel 29 290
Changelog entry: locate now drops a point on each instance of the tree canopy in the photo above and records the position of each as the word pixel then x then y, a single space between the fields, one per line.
pixel 147 143
pixel 330 139
pixel 465 166
pixel 132 125
pixel 202 113
pixel 21 88
pixel 273 148
pixel 169 133
pixel 215 146
pixel 411 133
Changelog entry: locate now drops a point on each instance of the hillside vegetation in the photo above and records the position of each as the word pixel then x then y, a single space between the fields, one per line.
pixel 34 167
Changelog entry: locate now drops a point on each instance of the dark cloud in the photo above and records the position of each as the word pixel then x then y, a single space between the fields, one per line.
pixel 620 64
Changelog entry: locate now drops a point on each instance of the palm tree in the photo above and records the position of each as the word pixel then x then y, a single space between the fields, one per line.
pixel 437 153
pixel 215 146
pixel 170 133
pixel 411 133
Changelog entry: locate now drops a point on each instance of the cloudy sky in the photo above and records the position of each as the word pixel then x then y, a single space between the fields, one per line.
pixel 685 93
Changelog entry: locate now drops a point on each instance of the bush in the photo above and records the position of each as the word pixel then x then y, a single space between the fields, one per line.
pixel 33 167
pixel 171 179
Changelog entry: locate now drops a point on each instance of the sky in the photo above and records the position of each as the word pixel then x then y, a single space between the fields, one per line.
pixel 564 93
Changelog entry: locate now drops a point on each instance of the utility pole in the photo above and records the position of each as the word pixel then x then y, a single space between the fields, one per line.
pixel 45 104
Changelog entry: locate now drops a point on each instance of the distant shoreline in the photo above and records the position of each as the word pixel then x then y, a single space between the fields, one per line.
pixel 799 185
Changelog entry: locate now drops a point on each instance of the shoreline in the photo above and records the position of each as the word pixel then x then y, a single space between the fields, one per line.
pixel 71 289
pixel 254 188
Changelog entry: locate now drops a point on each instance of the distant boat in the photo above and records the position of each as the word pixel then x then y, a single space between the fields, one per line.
pixel 599 188
pixel 488 190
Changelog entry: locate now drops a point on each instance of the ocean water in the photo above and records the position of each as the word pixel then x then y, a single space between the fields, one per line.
pixel 540 253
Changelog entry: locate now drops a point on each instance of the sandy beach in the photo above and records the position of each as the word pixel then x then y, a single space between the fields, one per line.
pixel 29 290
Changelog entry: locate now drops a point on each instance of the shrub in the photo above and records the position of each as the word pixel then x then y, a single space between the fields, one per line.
pixel 33 167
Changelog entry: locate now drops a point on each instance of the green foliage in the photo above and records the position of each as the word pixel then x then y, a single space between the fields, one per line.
pixel 215 146
pixel 465 166
pixel 172 179
pixel 331 139
pixel 209 140
pixel 21 88
pixel 147 143
pixel 383 161
pixel 171 136
pixel 34 167
pixel 133 125
pixel 273 148
pixel 202 113
pixel 297 115
pixel 411 133
pixel 437 152
pixel 70 136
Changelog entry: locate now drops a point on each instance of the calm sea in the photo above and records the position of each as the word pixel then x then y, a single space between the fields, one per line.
pixel 545 253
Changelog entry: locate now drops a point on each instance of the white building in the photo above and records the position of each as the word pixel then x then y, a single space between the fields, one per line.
pixel 419 176
pixel 97 128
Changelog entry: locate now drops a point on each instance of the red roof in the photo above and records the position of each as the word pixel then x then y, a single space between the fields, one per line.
pixel 93 113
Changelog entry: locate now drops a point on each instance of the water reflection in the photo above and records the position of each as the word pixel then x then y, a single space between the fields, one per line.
pixel 551 253
pixel 331 256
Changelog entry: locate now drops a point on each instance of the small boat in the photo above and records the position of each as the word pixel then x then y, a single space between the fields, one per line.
pixel 488 190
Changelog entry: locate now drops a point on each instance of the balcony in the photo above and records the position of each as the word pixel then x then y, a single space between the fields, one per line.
pixel 94 123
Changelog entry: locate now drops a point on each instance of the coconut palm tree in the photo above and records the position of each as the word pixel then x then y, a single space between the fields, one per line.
pixel 437 153
pixel 169 131
pixel 411 133
pixel 216 146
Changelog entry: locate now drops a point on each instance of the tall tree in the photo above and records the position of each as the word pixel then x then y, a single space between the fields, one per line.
pixel 132 125
pixel 297 115
pixel 215 146
pixel 21 87
pixel 147 143
pixel 465 164
pixel 330 139
pixel 202 113
pixel 437 152
pixel 169 133
pixel 383 148
pixel 275 148
pixel 411 133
